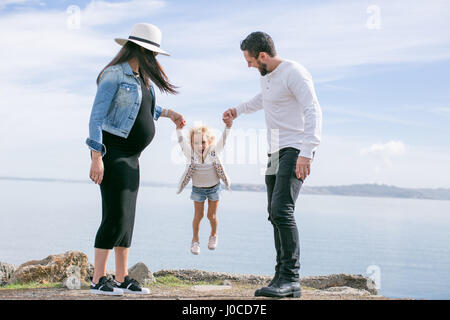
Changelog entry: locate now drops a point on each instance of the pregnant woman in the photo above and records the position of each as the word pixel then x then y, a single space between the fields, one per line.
pixel 121 126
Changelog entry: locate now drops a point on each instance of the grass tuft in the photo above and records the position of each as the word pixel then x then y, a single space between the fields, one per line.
pixel 31 285
pixel 172 281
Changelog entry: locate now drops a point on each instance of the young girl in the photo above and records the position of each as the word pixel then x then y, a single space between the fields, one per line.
pixel 206 171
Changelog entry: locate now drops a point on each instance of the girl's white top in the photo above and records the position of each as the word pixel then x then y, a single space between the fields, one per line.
pixel 205 174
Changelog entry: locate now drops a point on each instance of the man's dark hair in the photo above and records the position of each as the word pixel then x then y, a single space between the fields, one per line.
pixel 257 42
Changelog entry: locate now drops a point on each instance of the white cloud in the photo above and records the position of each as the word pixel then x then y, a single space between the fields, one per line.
pixel 98 13
pixel 48 80
pixel 391 148
pixel 339 162
pixel 384 152
pixel 331 35
pixel 59 48
pixel 4 3
pixel 329 39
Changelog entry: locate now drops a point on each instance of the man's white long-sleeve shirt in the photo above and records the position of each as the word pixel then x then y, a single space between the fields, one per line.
pixel 292 111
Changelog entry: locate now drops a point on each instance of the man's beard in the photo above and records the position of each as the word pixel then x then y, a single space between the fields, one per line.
pixel 262 67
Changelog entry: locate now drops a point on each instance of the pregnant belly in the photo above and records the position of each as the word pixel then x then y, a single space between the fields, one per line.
pixel 139 138
pixel 141 135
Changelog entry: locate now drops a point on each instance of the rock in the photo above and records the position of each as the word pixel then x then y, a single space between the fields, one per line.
pixel 90 273
pixel 342 291
pixel 141 273
pixel 73 280
pixel 357 282
pixel 210 288
pixel 199 275
pixel 340 280
pixel 6 270
pixel 227 283
pixel 73 270
pixel 346 291
pixel 54 268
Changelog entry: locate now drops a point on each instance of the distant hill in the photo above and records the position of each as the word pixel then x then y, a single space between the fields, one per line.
pixel 355 190
pixel 363 190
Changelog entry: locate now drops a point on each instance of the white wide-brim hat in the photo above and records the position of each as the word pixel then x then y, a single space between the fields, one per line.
pixel 146 35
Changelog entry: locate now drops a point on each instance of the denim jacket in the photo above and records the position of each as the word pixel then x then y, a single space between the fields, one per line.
pixel 116 105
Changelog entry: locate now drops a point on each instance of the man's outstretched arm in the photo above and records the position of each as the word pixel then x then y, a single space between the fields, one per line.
pixel 248 107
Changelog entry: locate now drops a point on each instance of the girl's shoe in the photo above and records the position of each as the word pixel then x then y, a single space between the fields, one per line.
pixel 105 286
pixel 195 247
pixel 130 285
pixel 212 244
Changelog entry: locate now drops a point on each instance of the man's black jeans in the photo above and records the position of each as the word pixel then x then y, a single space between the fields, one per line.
pixel 283 188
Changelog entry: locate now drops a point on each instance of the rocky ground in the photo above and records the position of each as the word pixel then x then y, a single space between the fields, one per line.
pixel 66 276
pixel 195 292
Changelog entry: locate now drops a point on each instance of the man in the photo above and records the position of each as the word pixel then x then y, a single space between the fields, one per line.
pixel 294 121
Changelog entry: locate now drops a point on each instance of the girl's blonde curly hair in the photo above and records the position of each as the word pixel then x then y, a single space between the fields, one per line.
pixel 201 131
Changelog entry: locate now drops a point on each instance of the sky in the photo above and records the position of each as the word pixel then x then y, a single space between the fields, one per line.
pixel 380 70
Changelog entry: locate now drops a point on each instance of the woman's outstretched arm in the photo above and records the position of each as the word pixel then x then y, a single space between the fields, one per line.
pixel 177 118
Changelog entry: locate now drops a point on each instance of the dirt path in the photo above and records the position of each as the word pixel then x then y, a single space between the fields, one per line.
pixel 234 292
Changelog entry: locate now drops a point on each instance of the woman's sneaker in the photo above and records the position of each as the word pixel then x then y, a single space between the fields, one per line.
pixel 105 286
pixel 195 247
pixel 130 285
pixel 212 244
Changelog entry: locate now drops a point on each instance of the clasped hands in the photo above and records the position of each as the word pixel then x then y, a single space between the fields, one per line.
pixel 227 118
pixel 303 165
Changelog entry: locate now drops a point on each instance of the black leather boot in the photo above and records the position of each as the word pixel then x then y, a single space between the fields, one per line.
pixel 271 283
pixel 274 279
pixel 280 289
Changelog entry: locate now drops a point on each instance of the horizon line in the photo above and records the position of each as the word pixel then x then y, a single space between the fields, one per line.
pixel 69 180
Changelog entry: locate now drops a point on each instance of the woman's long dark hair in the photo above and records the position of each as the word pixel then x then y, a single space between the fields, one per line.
pixel 149 67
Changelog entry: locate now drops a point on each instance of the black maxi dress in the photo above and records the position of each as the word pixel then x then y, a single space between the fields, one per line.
pixel 120 184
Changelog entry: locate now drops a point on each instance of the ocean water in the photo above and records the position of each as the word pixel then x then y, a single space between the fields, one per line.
pixel 404 244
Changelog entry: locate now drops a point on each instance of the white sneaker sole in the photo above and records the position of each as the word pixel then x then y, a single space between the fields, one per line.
pixel 212 246
pixel 144 291
pixel 195 252
pixel 116 292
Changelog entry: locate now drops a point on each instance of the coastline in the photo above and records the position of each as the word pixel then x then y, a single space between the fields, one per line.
pixel 354 190
pixel 67 276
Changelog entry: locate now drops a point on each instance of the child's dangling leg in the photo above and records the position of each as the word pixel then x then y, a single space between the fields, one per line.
pixel 212 217
pixel 198 216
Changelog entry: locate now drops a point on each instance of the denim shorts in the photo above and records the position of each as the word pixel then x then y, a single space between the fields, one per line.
pixel 200 194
